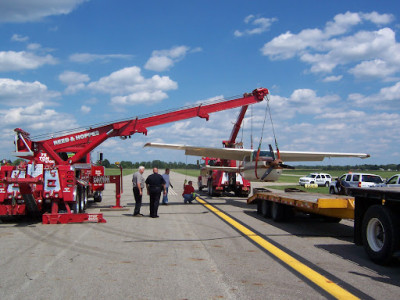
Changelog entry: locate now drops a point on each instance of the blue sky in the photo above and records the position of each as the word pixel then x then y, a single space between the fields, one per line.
pixel 332 68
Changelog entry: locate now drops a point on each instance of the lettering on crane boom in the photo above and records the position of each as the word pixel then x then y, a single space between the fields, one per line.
pixel 101 179
pixel 76 137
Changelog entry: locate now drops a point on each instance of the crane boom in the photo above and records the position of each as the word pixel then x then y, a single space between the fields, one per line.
pixel 80 144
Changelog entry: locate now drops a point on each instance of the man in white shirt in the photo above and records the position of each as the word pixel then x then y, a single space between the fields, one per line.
pixel 167 185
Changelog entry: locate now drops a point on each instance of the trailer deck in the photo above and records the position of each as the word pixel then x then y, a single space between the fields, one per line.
pixel 335 206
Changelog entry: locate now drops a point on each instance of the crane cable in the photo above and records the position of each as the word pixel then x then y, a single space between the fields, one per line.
pixel 267 109
pixel 273 130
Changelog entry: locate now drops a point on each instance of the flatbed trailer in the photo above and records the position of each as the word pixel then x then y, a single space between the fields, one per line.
pixel 280 205
pixel 377 221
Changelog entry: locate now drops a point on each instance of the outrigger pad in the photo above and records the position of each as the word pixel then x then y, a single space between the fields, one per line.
pixel 66 218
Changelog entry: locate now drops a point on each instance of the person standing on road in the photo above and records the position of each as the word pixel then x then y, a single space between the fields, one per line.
pixel 138 185
pixel 167 185
pixel 155 183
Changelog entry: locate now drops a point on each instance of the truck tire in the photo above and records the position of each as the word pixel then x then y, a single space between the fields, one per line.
pixel 83 199
pixel 380 234
pixel 97 197
pixel 199 185
pixel 75 205
pixel 266 209
pixel 278 211
pixel 210 188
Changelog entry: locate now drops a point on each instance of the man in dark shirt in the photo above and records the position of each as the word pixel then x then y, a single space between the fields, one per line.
pixel 155 183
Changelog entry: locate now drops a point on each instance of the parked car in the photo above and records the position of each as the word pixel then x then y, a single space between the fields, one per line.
pixel 321 179
pixel 355 180
pixel 392 181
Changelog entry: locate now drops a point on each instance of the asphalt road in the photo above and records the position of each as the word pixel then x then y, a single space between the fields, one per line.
pixel 187 253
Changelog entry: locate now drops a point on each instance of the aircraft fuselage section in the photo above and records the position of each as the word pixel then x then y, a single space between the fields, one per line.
pixel 249 171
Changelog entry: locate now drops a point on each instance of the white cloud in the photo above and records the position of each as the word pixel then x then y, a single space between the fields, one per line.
pixel 379 19
pixel 387 98
pixel 36 117
pixel 128 86
pixel 88 57
pixel 70 77
pixel 325 49
pixel 373 68
pixel 85 109
pixel 19 38
pixel 17 61
pixel 16 92
pixel 162 60
pixel 333 78
pixel 18 11
pixel 259 25
pixel 144 97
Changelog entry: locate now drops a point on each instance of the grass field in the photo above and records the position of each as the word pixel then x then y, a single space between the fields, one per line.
pixel 118 172
pixel 125 172
pixel 288 176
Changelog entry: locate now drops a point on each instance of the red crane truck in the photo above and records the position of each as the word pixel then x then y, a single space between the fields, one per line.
pixel 55 176
pixel 217 181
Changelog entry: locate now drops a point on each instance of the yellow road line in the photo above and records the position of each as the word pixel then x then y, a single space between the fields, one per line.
pixel 307 272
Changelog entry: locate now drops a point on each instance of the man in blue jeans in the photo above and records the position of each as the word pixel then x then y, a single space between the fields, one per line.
pixel 167 184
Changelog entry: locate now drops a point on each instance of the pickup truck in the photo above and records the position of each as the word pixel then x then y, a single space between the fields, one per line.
pixel 355 180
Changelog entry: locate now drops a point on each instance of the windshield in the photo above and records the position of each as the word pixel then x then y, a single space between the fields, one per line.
pixel 311 175
pixel 372 178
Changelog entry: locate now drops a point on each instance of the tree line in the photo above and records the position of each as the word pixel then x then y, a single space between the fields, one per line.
pixel 392 167
pixel 149 164
pixel 180 165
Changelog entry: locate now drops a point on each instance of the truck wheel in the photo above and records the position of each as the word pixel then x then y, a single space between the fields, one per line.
pixel 84 199
pixel 327 184
pixel 210 188
pixel 199 185
pixel 379 233
pixel 82 193
pixel 266 209
pixel 278 212
pixel 97 197
pixel 75 205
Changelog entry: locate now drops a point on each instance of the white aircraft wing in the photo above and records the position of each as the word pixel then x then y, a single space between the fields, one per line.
pixel 316 156
pixel 224 153
pixel 240 154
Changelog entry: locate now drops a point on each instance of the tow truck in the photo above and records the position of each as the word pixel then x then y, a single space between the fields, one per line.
pixel 216 181
pixel 55 179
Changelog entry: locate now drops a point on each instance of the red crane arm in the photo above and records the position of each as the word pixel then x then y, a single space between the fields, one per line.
pixel 82 143
pixel 235 130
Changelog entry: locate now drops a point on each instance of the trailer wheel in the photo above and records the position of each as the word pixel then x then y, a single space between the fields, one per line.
pixel 266 209
pixel 278 212
pixel 379 233
pixel 259 209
